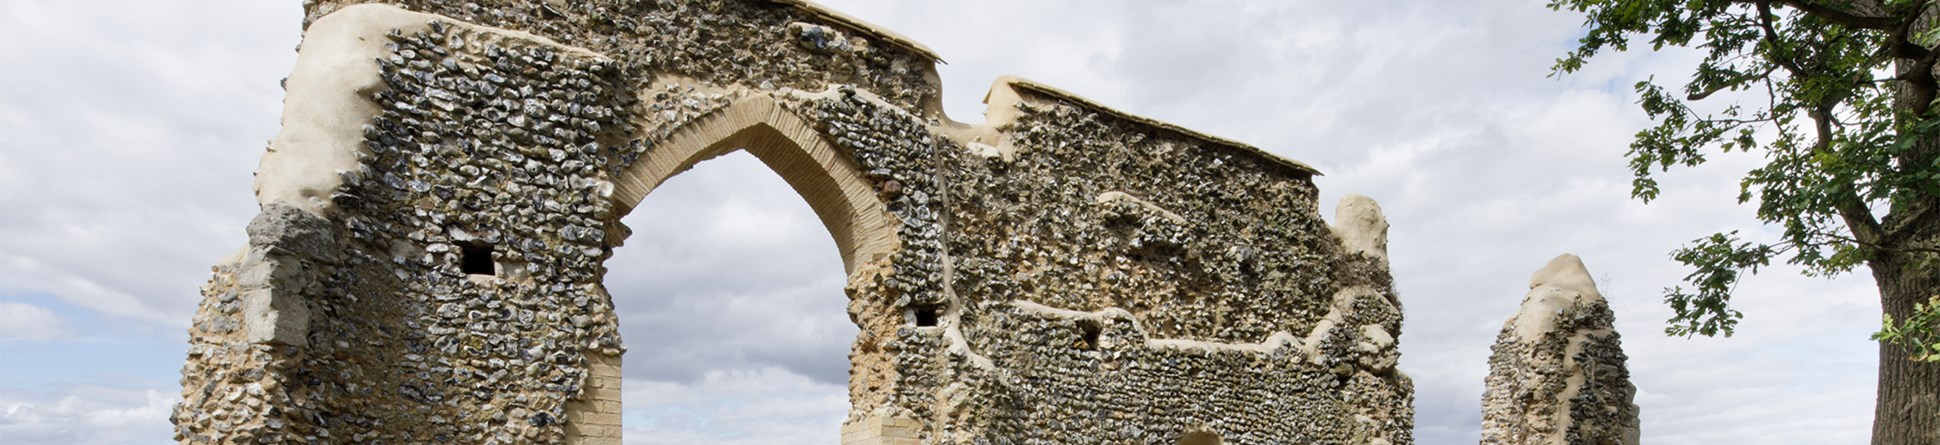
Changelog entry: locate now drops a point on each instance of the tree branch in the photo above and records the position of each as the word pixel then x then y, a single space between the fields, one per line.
pixel 1920 83
pixel 1734 82
pixel 1771 38
pixel 1899 43
pixel 1859 219
pixel 1833 14
pixel 1885 247
pixel 1919 88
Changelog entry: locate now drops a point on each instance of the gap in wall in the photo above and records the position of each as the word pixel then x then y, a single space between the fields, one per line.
pixel 729 294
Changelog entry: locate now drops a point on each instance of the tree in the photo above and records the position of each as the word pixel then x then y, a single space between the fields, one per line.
pixel 1839 96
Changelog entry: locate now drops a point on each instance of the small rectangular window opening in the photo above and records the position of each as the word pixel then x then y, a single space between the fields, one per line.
pixel 925 315
pixel 476 259
pixel 1088 331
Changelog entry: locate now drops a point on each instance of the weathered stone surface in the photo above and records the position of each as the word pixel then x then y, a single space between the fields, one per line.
pixel 1558 375
pixel 1361 226
pixel 272 316
pixel 295 231
pixel 428 265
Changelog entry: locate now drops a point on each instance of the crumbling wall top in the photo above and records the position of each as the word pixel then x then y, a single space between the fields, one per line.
pixel 1005 94
pixel 858 25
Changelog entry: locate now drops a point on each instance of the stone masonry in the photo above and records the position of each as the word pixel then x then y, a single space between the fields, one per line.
pixel 450 177
pixel 1557 376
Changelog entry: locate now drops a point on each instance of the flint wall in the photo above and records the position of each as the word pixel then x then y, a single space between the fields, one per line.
pixel 1064 274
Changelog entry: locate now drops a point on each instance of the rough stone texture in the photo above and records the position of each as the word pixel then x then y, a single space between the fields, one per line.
pixel 1557 375
pixel 449 181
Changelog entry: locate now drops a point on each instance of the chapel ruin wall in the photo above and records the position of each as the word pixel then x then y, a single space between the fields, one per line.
pixel 450 179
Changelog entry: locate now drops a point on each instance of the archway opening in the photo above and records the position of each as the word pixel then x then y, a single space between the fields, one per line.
pixel 730 299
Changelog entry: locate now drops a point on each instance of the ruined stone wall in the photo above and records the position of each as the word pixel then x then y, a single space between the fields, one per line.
pixel 487 152
pixel 1094 212
pixel 451 176
pixel 1127 282
pixel 720 42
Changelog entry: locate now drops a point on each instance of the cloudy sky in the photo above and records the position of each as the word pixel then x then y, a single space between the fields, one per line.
pixel 129 130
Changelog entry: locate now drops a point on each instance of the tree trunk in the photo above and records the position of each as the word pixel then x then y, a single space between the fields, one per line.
pixel 1908 409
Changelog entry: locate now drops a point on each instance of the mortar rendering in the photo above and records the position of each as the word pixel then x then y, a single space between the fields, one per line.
pixel 451 176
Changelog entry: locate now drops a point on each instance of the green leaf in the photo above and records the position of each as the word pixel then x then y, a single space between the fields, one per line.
pixel 1918 334
pixel 1803 91
pixel 1719 261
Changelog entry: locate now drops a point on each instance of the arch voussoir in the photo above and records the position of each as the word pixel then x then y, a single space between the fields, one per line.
pixel 827 179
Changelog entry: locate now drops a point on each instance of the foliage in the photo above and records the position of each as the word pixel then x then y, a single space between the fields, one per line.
pixel 1836 95
pixel 1919 333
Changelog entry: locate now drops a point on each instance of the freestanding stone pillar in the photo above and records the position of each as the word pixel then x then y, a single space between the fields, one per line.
pixel 1557 375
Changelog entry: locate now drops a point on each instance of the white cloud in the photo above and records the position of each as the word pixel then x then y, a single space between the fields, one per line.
pixel 86 415
pixel 26 321
pixel 735 406
pixel 728 268
pixel 129 129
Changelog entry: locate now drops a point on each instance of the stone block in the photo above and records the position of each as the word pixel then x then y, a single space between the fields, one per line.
pixel 272 316
pixel 294 230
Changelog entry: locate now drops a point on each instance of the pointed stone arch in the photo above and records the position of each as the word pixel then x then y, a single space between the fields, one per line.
pixel 827 178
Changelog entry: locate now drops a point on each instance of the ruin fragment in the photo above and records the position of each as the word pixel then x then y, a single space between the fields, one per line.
pixel 1558 373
